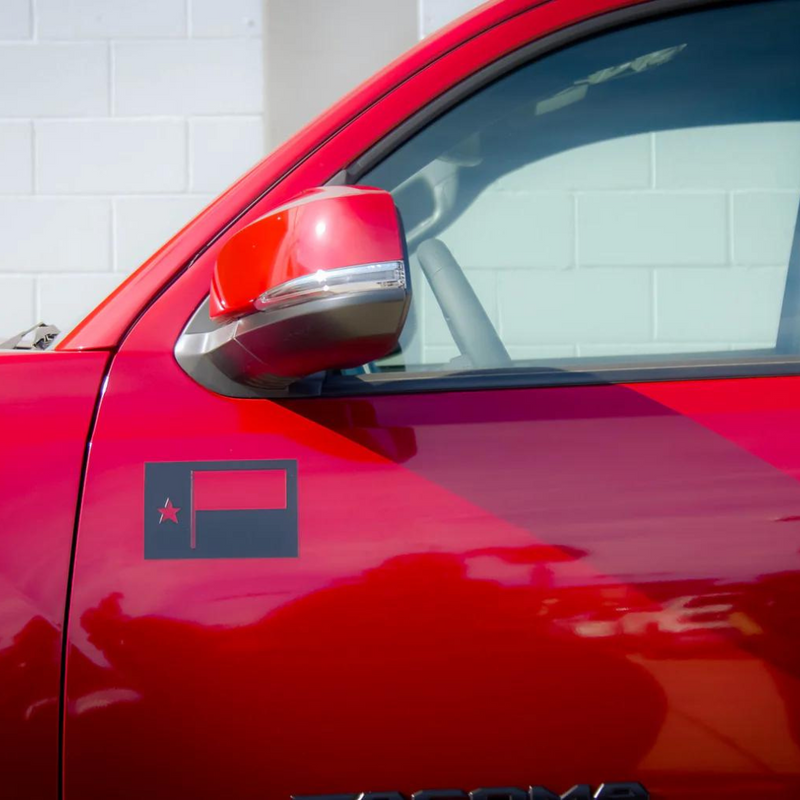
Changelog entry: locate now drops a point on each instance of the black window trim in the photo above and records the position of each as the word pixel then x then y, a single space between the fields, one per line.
pixel 541 377
pixel 706 367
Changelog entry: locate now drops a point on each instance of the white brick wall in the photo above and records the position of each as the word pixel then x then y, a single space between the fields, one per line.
pixel 55 234
pixel 110 156
pixel 119 121
pixel 110 19
pixel 15 19
pixel 16 150
pixel 653 228
pixel 676 241
pixel 434 14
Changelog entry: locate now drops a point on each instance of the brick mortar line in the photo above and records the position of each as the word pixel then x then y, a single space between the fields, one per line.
pixel 30 41
pixel 729 222
pixel 189 155
pixel 193 115
pixel 32 274
pixel 101 121
pixel 34 160
pixel 112 238
pixel 223 116
pixel 37 301
pixel 81 196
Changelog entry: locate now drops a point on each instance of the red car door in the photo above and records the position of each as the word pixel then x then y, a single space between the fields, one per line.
pixel 576 565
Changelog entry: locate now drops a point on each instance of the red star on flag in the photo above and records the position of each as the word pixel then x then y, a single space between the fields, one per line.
pixel 169 512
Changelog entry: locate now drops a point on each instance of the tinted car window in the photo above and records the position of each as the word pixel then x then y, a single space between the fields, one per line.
pixel 632 196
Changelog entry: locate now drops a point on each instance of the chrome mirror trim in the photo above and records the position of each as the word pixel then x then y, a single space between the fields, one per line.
pixel 345 280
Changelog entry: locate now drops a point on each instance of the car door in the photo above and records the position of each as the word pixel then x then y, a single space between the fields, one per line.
pixel 571 558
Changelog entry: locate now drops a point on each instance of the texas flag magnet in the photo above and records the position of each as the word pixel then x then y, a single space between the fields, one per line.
pixel 220 509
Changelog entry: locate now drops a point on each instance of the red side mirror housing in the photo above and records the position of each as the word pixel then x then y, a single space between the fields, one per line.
pixel 321 229
pixel 320 283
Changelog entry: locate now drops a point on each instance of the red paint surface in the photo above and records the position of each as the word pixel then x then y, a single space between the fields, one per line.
pixel 546 586
pixel 495 588
pixel 47 405
pixel 321 229
pixel 242 489
pixel 760 415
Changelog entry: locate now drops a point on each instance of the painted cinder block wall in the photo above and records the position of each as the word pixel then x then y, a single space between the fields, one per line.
pixel 119 121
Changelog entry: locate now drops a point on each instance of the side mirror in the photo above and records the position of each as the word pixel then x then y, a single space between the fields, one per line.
pixel 320 283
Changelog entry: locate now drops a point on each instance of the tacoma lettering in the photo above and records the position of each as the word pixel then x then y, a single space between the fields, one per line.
pixel 582 791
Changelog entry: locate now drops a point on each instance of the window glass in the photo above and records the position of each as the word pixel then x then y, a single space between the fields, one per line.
pixel 632 196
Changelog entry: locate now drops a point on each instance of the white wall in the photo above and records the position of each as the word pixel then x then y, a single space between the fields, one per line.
pixel 315 52
pixel 120 119
pixel 666 242
pixel 434 14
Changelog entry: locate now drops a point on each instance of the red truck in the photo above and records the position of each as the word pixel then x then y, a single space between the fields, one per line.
pixel 453 451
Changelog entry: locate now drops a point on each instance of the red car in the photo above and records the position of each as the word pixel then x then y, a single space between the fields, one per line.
pixel 454 449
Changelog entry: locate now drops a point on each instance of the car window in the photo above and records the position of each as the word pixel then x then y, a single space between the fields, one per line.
pixel 633 196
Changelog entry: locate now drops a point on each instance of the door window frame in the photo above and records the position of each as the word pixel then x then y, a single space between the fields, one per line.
pixel 603 370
